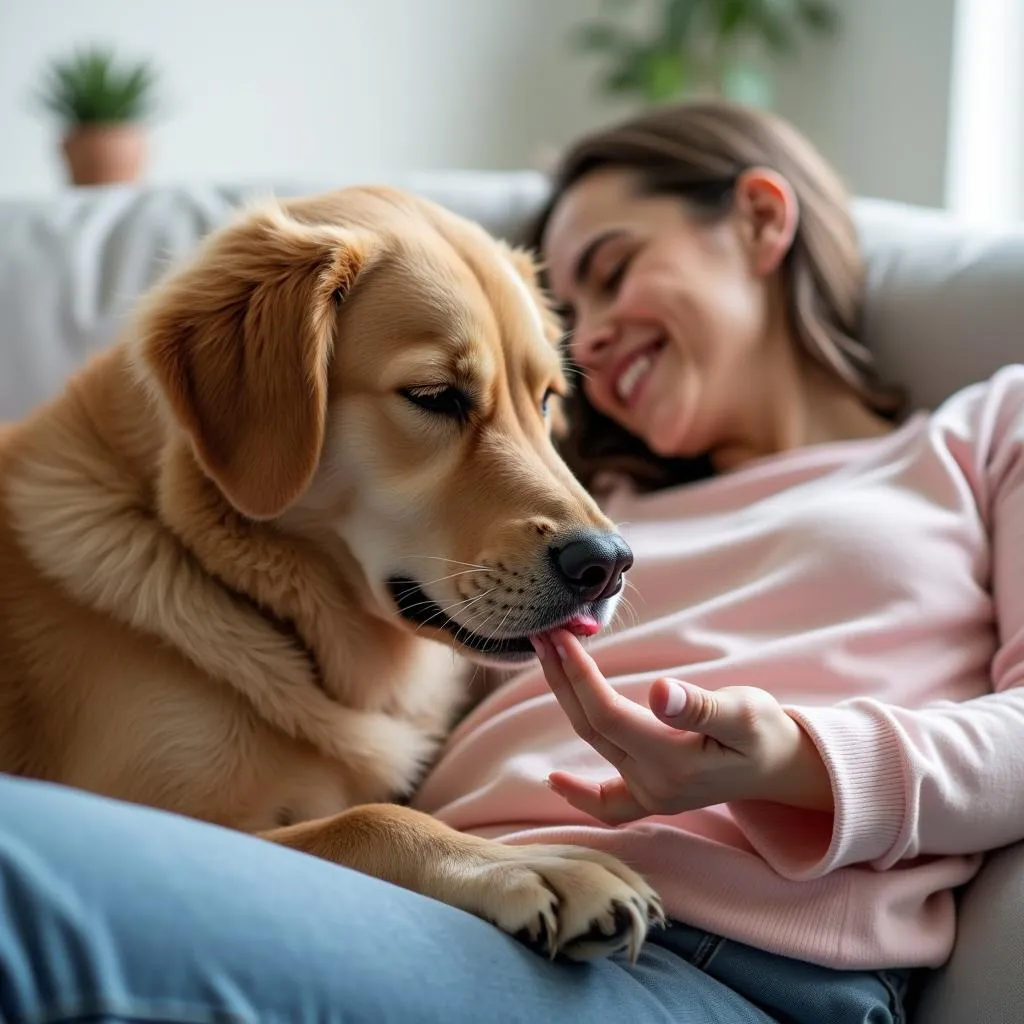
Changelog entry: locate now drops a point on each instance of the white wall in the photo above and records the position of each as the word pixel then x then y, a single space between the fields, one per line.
pixel 310 88
pixel 268 88
pixel 877 101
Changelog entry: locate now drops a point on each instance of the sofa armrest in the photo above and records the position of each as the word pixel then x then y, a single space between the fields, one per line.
pixel 983 982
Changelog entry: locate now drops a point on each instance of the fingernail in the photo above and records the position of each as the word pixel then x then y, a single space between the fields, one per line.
pixel 538 646
pixel 561 651
pixel 552 786
pixel 675 701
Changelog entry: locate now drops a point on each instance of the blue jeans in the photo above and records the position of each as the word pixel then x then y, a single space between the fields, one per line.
pixel 111 912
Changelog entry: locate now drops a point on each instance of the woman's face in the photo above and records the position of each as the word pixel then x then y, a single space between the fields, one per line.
pixel 670 313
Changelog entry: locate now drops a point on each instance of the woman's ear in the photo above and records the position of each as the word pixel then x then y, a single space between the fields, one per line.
pixel 770 213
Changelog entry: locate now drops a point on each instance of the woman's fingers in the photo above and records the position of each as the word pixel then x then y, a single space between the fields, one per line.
pixel 731 716
pixel 565 694
pixel 610 802
pixel 600 710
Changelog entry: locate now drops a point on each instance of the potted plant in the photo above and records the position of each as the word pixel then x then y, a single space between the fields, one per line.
pixel 101 107
pixel 703 46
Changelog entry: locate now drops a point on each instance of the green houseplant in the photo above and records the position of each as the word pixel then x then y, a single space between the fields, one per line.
pixel 101 106
pixel 702 46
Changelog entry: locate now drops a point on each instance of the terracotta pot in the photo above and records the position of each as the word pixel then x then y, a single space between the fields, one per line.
pixel 100 154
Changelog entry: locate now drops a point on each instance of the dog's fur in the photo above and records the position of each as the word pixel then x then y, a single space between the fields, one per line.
pixel 197 538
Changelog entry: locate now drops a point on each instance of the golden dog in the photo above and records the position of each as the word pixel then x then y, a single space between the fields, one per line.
pixel 229 549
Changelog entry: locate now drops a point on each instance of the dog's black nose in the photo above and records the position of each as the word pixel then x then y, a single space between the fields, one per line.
pixel 592 565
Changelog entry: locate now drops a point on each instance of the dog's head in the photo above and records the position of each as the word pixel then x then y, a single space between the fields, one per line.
pixel 367 366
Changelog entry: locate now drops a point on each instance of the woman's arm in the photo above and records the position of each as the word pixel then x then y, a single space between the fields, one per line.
pixel 947 778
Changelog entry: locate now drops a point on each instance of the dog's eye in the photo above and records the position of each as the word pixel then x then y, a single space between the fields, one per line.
pixel 442 400
pixel 545 401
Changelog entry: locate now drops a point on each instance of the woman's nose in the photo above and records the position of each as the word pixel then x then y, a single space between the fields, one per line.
pixel 590 340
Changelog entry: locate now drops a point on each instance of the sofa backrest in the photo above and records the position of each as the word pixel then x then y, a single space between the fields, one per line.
pixel 945 302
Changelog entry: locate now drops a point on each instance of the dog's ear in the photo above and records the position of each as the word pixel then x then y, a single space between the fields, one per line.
pixel 525 264
pixel 529 269
pixel 238 346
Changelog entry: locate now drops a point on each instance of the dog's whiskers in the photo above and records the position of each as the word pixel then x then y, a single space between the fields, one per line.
pixel 501 626
pixel 626 606
pixel 630 612
pixel 479 627
pixel 448 609
pixel 472 679
pixel 451 561
pixel 469 602
pixel 452 576
pixel 467 631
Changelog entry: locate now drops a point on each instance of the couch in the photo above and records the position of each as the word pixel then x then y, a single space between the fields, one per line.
pixel 945 307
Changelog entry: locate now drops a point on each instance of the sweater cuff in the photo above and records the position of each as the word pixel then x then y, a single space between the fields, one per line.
pixel 865 762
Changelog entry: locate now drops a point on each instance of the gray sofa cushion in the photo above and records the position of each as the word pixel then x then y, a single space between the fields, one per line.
pixel 944 302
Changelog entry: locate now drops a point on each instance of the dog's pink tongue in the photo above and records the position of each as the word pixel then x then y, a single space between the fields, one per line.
pixel 580 625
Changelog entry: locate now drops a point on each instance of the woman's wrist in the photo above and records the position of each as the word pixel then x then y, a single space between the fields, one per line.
pixel 802 778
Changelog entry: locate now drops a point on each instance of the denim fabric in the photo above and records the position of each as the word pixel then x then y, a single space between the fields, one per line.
pixel 791 991
pixel 111 912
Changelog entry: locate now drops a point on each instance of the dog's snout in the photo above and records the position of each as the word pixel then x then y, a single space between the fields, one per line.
pixel 592 565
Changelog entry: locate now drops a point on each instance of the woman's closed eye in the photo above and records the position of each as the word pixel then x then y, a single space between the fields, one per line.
pixel 610 283
pixel 609 269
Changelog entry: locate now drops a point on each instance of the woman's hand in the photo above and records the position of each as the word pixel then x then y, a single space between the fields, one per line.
pixel 692 748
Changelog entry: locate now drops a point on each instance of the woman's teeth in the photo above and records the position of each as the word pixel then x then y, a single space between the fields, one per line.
pixel 627 382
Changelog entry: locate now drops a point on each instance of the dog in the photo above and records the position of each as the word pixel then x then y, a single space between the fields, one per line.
pixel 238 550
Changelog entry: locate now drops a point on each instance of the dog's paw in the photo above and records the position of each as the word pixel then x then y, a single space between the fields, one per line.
pixel 568 901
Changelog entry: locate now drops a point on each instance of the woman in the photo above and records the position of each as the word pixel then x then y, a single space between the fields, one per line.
pixel 815 718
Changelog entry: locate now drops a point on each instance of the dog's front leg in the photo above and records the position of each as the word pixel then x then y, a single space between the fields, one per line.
pixel 566 900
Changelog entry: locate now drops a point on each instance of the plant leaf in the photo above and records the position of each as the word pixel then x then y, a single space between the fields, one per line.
pixel 773 28
pixel 626 75
pixel 598 36
pixel 88 87
pixel 665 76
pixel 733 16
pixel 819 17
pixel 677 22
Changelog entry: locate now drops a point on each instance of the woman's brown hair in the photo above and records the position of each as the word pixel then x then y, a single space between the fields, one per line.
pixel 696 151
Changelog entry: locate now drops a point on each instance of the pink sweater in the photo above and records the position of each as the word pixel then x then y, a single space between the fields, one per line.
pixel 876 587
